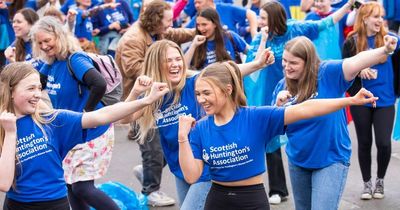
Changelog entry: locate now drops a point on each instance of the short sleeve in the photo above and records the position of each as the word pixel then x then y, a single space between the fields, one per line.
pixel 80 63
pixel 195 143
pixel 68 130
pixel 270 120
pixel 331 74
pixel 239 42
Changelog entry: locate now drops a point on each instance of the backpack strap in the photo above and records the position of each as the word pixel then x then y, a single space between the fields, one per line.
pixel 71 72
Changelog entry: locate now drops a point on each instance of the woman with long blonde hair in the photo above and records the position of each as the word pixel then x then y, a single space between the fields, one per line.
pixel 35 139
pixel 369 33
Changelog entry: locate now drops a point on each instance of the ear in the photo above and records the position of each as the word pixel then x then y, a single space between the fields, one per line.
pixel 229 89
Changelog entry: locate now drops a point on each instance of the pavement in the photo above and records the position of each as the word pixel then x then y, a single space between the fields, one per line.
pixel 126 155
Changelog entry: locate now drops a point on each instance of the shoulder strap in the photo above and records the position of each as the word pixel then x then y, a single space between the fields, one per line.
pixel 71 72
pixel 232 41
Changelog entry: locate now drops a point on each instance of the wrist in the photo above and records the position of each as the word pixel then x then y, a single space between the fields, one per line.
pixel 183 140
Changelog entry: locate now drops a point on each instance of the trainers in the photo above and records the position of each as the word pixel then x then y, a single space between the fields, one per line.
pixel 276 199
pixel 378 192
pixel 367 192
pixel 159 198
pixel 138 172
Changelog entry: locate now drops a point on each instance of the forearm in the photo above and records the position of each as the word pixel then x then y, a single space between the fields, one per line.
pixel 190 166
pixel 112 113
pixel 248 68
pixel 338 15
pixel 353 65
pixel 189 55
pixel 7 161
pixel 252 18
pixel 132 117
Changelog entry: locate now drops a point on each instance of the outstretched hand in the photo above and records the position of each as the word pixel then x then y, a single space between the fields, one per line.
pixel 158 90
pixel 390 44
pixel 364 97
pixel 8 121
pixel 185 124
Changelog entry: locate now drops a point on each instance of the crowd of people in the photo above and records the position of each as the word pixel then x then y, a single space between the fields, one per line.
pixel 211 88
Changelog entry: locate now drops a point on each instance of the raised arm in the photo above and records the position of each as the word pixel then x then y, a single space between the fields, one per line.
pixel 263 59
pixel 121 110
pixel 197 41
pixel 7 156
pixel 353 65
pixel 339 14
pixel 318 107
pixel 253 24
pixel 192 168
pixel 142 84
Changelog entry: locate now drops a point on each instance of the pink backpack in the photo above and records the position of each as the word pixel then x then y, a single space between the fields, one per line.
pixel 106 66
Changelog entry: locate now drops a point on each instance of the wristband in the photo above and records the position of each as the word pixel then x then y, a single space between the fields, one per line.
pixel 389 53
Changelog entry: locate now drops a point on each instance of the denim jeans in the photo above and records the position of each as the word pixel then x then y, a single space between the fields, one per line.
pixel 315 189
pixel 192 196
pixel 153 163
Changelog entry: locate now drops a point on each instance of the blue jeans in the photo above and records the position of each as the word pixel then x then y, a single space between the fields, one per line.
pixel 192 196
pixel 315 189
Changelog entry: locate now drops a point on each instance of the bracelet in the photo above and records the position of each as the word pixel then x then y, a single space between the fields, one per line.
pixel 183 141
pixel 388 53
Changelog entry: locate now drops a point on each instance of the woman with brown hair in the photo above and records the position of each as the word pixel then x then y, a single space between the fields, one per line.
pixel 319 149
pixel 213 43
pixel 21 48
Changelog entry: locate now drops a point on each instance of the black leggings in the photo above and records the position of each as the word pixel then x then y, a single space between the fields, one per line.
pixel 251 197
pixel 59 204
pixel 82 195
pixel 382 119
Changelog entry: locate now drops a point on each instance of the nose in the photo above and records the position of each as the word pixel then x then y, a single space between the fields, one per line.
pixel 38 93
pixel 201 99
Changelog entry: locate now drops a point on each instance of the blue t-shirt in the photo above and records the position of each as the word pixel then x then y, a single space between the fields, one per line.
pixel 63 88
pixel 332 36
pixel 36 63
pixel 190 10
pixel 230 15
pixel 167 121
pixel 121 13
pixel 83 26
pixel 321 141
pixel 260 85
pixel 382 87
pixel 236 151
pixel 39 173
pixel 70 4
pixel 211 57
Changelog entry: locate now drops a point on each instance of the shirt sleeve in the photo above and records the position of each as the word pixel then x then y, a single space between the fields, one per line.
pixel 68 130
pixel 239 42
pixel 331 74
pixel 81 63
pixel 269 120
pixel 195 143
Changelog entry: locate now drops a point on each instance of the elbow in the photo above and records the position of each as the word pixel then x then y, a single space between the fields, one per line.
pixel 5 186
pixel 191 179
